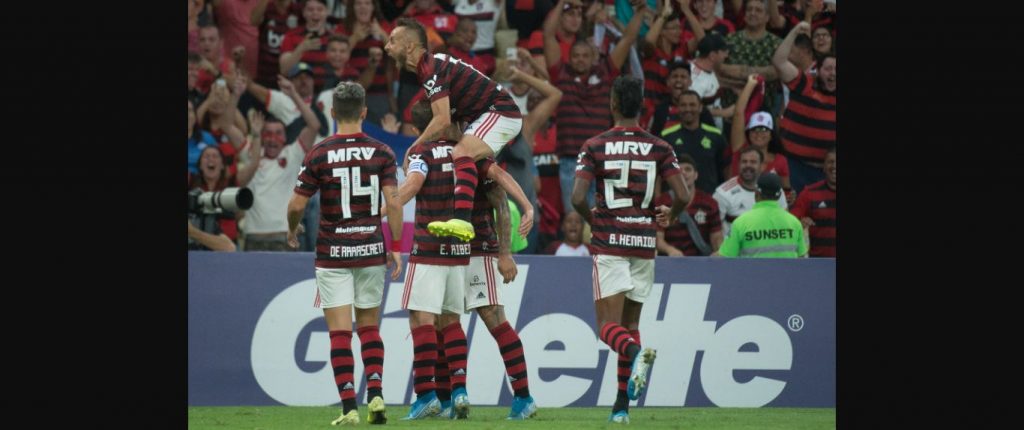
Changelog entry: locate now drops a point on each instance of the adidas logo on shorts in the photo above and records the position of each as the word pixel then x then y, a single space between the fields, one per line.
pixel 481 295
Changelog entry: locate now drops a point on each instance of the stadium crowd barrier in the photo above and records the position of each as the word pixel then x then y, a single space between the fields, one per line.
pixel 729 333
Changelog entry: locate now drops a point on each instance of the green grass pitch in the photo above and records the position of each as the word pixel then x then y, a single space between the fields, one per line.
pixel 486 417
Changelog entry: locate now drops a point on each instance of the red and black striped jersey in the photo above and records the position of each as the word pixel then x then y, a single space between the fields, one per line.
pixel 483 63
pixel 317 59
pixel 549 196
pixel 485 243
pixel 334 77
pixel 723 27
pixel 656 73
pixel 704 211
pixel 818 202
pixel 272 31
pixel 470 93
pixel 435 202
pixel 442 22
pixel 584 110
pixel 360 58
pixel 794 16
pixel 656 117
pixel 808 125
pixel 349 171
pixel 626 162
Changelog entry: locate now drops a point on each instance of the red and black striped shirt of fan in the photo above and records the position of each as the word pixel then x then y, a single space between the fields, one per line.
pixel 349 171
pixel 817 201
pixel 704 210
pixel 626 162
pixel 808 126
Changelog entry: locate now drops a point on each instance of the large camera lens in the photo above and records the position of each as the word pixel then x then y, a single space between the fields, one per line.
pixel 229 199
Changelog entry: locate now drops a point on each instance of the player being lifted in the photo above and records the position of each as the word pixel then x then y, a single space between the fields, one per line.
pixel 457 93
pixel 626 161
pixel 350 170
pixel 435 282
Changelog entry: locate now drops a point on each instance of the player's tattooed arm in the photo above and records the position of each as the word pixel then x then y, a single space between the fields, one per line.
pixel 502 220
pixel 509 184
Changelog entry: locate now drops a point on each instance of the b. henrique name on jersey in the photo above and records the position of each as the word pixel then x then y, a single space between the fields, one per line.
pixel 626 163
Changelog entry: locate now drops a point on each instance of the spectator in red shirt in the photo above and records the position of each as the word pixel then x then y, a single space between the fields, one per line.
pixel 816 12
pixel 658 117
pixel 586 85
pixel 702 210
pixel 430 14
pixel 233 19
pixel 563 23
pixel 460 46
pixel 339 52
pixel 816 209
pixel 219 115
pixel 367 28
pixel 661 48
pixel 214 63
pixel 708 22
pixel 275 18
pixel 808 126
pixel 338 55
pixel 308 44
pixel 759 133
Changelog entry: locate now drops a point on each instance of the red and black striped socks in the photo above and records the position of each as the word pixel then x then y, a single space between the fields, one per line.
pixel 342 363
pixel 424 341
pixel 624 369
pixel 515 362
pixel 373 360
pixel 617 337
pixel 465 187
pixel 444 389
pixel 455 350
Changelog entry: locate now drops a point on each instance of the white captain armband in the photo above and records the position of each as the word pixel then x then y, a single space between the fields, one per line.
pixel 419 166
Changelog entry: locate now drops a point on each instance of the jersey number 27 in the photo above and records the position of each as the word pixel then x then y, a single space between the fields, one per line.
pixel 623 182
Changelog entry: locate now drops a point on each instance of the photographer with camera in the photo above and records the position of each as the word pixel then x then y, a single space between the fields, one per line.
pixel 199 240
pixel 211 223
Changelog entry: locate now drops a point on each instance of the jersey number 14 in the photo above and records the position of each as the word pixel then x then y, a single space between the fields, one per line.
pixel 351 185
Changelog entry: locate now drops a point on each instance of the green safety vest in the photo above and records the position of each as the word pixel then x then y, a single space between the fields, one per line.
pixel 766 231
pixel 518 242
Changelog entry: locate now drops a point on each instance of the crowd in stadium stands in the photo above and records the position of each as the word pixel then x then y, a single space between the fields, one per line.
pixel 720 76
